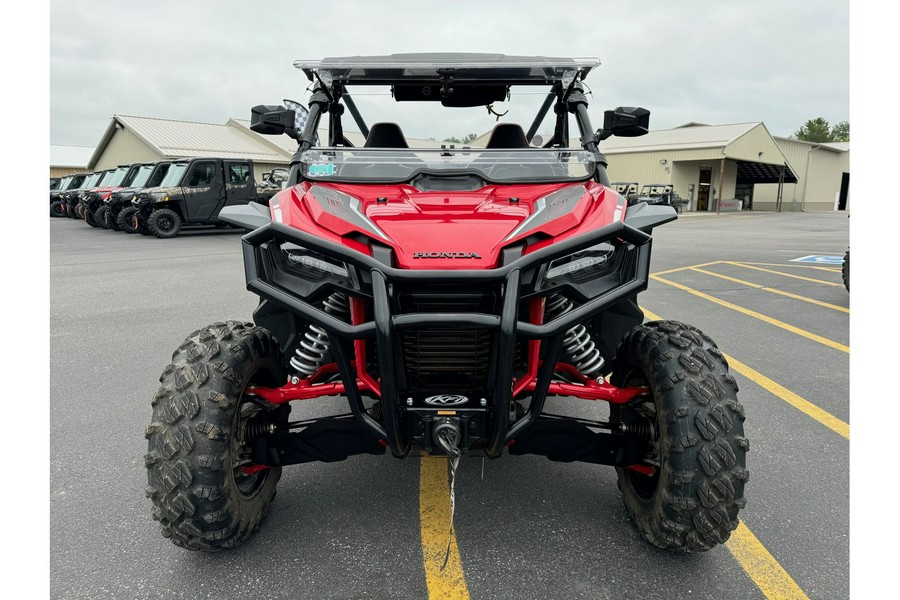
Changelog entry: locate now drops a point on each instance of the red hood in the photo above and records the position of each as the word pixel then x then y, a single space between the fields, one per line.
pixel 446 230
pixel 106 191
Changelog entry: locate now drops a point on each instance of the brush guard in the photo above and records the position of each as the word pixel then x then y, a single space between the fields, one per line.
pixel 373 281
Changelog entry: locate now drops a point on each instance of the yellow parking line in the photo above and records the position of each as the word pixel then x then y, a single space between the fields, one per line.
pixel 804 406
pixel 769 576
pixel 685 268
pixel 747 266
pixel 801 404
pixel 434 519
pixel 773 290
pixel 756 315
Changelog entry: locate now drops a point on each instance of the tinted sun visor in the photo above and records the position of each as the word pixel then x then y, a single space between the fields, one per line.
pixel 458 95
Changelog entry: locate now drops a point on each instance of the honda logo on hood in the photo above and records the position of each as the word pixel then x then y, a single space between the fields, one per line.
pixel 446 400
pixel 446 255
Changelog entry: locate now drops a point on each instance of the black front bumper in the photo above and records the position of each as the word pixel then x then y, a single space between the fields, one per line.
pixel 379 284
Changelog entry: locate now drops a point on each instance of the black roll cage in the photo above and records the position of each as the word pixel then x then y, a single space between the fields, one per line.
pixel 565 99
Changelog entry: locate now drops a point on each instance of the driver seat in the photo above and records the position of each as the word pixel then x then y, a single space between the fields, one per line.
pixel 507 135
pixel 385 135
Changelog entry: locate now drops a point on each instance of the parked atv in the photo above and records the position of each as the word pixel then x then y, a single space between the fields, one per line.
pixel 71 198
pixel 192 193
pixel 69 182
pixel 148 175
pixel 446 293
pixel 629 189
pixel 93 205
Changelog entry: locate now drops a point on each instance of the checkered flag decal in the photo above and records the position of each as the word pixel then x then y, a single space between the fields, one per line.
pixel 300 113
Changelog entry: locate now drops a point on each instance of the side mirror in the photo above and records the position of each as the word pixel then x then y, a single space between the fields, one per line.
pixel 271 120
pixel 625 121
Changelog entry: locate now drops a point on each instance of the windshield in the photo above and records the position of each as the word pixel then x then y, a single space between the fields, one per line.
pixel 395 166
pixel 142 176
pixel 64 183
pixel 92 180
pixel 654 190
pixel 118 177
pixel 173 177
pixel 105 179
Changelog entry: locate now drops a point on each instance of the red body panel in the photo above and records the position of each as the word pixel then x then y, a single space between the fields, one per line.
pixel 474 225
pixel 106 191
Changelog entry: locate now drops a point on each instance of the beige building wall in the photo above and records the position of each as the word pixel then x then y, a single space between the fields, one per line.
pixel 681 169
pixel 819 172
pixel 125 148
pixel 755 146
pixel 63 171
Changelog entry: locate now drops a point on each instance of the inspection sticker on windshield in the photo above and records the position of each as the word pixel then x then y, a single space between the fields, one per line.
pixel 322 170
pixel 820 259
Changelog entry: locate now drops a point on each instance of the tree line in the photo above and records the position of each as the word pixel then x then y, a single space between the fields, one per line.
pixel 818 130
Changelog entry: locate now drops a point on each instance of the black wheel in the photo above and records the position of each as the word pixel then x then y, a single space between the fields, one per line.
pixel 125 219
pixel 164 223
pixel 687 493
pixel 845 270
pixel 88 216
pixel 204 494
pixel 79 211
pixel 57 209
pixel 109 219
pixel 139 224
pixel 100 216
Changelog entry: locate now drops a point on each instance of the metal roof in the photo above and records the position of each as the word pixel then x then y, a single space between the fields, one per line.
pixel 70 156
pixel 180 139
pixel 687 137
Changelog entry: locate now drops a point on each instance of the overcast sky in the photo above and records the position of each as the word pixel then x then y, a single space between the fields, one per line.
pixel 777 61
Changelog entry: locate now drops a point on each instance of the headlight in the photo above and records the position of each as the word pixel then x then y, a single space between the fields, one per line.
pixel 589 262
pixel 312 263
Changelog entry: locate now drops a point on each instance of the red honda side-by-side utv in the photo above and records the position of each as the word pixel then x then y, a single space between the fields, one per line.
pixel 446 292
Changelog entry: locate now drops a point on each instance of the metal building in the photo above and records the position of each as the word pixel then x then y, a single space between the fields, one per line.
pixel 130 139
pixel 65 160
pixel 741 164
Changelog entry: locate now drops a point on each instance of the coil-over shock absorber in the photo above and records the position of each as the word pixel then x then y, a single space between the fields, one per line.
pixel 577 343
pixel 310 354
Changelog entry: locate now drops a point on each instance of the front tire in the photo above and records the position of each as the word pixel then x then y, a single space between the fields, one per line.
pixel 125 220
pixel 57 209
pixel 109 219
pixel 202 496
pixel 164 223
pixel 845 270
pixel 691 499
pixel 100 217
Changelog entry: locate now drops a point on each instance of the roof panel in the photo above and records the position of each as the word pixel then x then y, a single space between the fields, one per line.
pixel 466 67
pixel 687 137
pixel 186 138
pixel 70 156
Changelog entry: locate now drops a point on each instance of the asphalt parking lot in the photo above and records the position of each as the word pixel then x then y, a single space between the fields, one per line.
pixel 525 527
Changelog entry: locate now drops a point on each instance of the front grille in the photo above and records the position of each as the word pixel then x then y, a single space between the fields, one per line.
pixel 445 358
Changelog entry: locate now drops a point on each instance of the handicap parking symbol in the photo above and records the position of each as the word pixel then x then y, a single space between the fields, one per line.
pixel 820 259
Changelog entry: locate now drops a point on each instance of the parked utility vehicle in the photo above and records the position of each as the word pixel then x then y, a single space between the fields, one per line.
pixel 93 205
pixel 192 193
pixel 119 202
pixel 69 182
pixel 446 293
